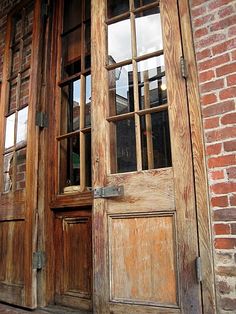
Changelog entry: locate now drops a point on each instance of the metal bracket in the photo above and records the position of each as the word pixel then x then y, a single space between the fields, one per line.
pixel 183 67
pixel 38 260
pixel 199 269
pixel 41 119
pixel 108 191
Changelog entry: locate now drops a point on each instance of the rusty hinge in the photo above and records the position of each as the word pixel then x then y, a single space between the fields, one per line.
pixel 108 191
pixel 183 67
pixel 198 264
pixel 38 260
pixel 41 119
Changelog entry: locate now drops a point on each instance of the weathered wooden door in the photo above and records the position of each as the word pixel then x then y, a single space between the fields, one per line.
pixel 18 159
pixel 145 241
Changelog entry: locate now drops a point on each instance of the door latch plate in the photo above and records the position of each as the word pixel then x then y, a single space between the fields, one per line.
pixel 108 192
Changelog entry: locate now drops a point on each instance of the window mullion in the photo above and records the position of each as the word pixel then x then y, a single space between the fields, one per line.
pixel 82 135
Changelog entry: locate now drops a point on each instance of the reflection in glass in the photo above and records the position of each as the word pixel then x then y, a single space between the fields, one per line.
pixel 12 96
pixel 88 178
pixel 24 89
pixel 22 125
pixel 119 42
pixel 72 46
pixel 152 82
pixel 140 3
pixel 26 57
pixel 72 14
pixel 117 7
pixel 76 105
pixel 156 151
pixel 7 173
pixel 121 97
pixel 69 162
pixel 20 169
pixel 88 102
pixel 15 61
pixel 10 131
pixel 123 151
pixel 148 32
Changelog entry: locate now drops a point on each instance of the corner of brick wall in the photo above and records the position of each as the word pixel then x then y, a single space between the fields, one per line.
pixel 214 32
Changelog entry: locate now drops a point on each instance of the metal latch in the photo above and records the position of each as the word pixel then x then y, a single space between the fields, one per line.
pixel 41 119
pixel 38 260
pixel 183 67
pixel 108 191
pixel 199 269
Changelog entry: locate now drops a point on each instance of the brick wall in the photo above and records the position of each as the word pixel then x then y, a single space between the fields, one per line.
pixel 214 31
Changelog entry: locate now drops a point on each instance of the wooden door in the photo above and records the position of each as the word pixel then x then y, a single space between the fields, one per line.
pixel 18 159
pixel 145 241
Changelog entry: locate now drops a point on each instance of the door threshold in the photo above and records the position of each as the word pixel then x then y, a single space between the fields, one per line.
pixel 56 309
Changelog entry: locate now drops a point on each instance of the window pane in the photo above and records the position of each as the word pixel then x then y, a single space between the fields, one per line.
pixel 148 32
pixel 20 169
pixel 7 173
pixel 119 42
pixel 152 82
pixel 15 61
pixel 72 46
pixel 69 163
pixel 17 28
pixel 88 102
pixel 76 105
pixel 24 89
pixel 10 131
pixel 121 97
pixel 123 151
pixel 115 7
pixel 26 57
pixel 22 126
pixel 156 152
pixel 88 175
pixel 72 14
pixel 140 3
pixel 29 19
pixel 12 95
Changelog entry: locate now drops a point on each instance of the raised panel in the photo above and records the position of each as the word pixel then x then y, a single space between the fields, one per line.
pixel 143 259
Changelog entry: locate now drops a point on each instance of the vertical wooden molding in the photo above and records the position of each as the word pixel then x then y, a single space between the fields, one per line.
pixel 200 176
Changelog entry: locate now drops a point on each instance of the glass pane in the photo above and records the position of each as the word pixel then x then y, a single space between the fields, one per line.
pixel 69 163
pixel 156 151
pixel 123 150
pixel 29 19
pixel 17 28
pixel 7 173
pixel 88 175
pixel 72 46
pixel 115 7
pixel 140 3
pixel 148 32
pixel 88 102
pixel 12 95
pixel 20 169
pixel 24 89
pixel 22 126
pixel 10 131
pixel 88 38
pixel 26 55
pixel 76 105
pixel 119 42
pixel 15 61
pixel 152 82
pixel 72 14
pixel 121 97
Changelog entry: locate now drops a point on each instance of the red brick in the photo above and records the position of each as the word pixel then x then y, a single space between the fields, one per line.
pixel 217 175
pixel 232 31
pixel 219 201
pixel 201 32
pixel 233 228
pixel 226 11
pixel 201 20
pixel 233 55
pixel 226 69
pixel 231 80
pixel 233 200
pixel 206 76
pixel 211 86
pixel 214 149
pixel 222 161
pixel 210 40
pixel 199 11
pixel 223 243
pixel 228 304
pixel 198 2
pixel 226 214
pixel 218 108
pixel 220 134
pixel 213 62
pixel 208 99
pixel 223 287
pixel 226 46
pixel 229 118
pixel 224 188
pixel 228 93
pixel 206 53
pixel 222 24
pixel 230 146
pixel 218 3
pixel 221 229
pixel 231 172
pixel 211 123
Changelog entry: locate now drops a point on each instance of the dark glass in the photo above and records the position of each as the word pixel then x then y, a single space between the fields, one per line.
pixel 88 178
pixel 72 46
pixel 155 134
pixel 72 14
pixel 115 7
pixel 119 42
pixel 152 82
pixel 7 173
pixel 140 3
pixel 123 152
pixel 24 89
pixel 87 9
pixel 20 169
pixel 26 55
pixel 88 102
pixel 12 95
pixel 69 162
pixel 29 17
pixel 87 62
pixel 72 68
pixel 121 97
pixel 15 61
pixel 148 32
pixel 22 119
pixel 10 131
pixel 88 38
pixel 17 28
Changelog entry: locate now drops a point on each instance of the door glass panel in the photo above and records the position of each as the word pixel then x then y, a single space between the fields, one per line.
pixel 119 42
pixel 123 150
pixel 72 46
pixel 20 169
pixel 88 102
pixel 117 7
pixel 88 178
pixel 156 152
pixel 10 131
pixel 8 173
pixel 76 105
pixel 22 120
pixel 121 96
pixel 152 82
pixel 72 14
pixel 148 40
pixel 140 3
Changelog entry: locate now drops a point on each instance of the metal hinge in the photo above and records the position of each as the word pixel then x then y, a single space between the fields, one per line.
pixel 183 67
pixel 199 269
pixel 41 119
pixel 108 191
pixel 38 260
